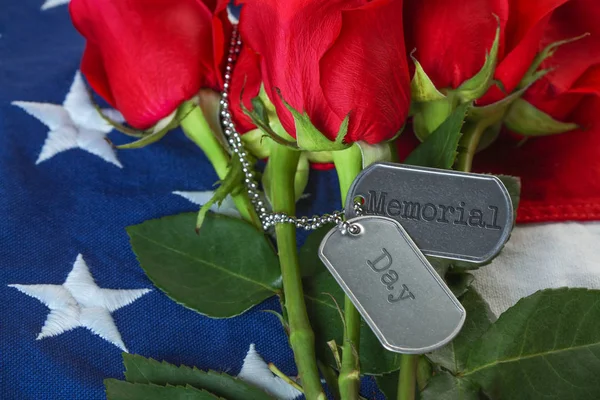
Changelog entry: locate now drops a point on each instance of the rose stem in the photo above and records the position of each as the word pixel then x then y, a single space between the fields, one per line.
pixel 197 129
pixel 407 378
pixel 472 132
pixel 302 339
pixel 348 164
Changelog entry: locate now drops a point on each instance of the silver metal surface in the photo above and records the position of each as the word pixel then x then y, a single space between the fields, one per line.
pixel 398 293
pixel 448 214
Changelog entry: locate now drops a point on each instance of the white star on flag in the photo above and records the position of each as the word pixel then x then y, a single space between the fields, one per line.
pixel 53 3
pixel 74 125
pixel 255 371
pixel 200 198
pixel 79 302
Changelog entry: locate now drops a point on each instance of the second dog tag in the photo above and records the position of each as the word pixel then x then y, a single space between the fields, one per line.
pixel 398 293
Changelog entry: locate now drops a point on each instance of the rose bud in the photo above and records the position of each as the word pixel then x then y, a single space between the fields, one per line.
pixel 455 46
pixel 146 57
pixel 451 38
pixel 335 71
pixel 571 60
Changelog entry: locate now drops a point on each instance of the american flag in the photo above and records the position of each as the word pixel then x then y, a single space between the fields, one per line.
pixel 72 295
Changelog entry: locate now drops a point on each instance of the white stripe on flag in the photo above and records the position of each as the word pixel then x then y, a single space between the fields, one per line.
pixel 541 256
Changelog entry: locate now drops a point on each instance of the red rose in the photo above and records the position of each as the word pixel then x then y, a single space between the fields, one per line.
pixel 145 57
pixel 331 59
pixel 245 85
pixel 452 37
pixel 575 66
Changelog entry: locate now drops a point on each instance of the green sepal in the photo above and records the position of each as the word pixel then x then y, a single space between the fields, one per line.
pixel 260 117
pixel 532 73
pixel 146 136
pixel 372 153
pixel 428 116
pixel 257 143
pixel 157 132
pixel 489 136
pixel 232 181
pixel 429 107
pixel 422 88
pixel 206 100
pixel 310 138
pixel 478 85
pixel 301 177
pixel 483 127
pixel 116 125
pixel 440 148
pixel 494 112
pixel 321 157
pixel 522 117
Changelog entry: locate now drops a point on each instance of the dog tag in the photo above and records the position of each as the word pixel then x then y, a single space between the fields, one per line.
pixel 448 214
pixel 398 293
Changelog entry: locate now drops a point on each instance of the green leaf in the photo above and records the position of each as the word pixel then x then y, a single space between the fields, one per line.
pixel 422 88
pixel 139 369
pixel 221 272
pixel 479 84
pixel 310 138
pixel 120 390
pixel 388 384
pixel 321 293
pixel 454 355
pixel 444 386
pixel 513 185
pixel 546 346
pixel 522 117
pixel 439 150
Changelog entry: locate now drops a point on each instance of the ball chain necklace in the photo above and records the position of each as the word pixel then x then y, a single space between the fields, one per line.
pixel 235 140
